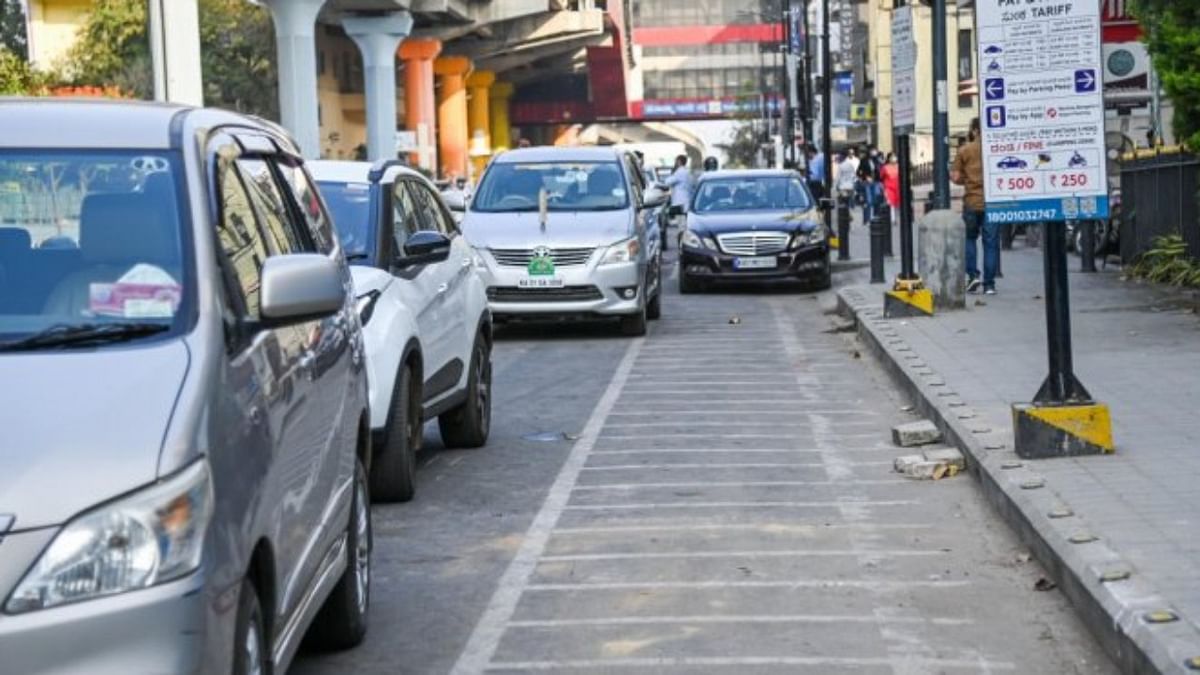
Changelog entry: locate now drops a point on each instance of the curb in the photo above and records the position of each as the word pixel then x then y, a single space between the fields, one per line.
pixel 1105 590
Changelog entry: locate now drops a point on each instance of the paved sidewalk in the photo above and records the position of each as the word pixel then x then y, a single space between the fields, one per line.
pixel 1136 349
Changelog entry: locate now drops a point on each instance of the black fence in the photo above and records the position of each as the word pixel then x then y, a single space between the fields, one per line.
pixel 1159 197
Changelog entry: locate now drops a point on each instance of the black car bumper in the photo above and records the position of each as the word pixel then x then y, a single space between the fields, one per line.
pixel 809 263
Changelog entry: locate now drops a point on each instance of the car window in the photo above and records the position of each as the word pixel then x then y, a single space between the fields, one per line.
pixel 241 239
pixel 265 195
pixel 350 206
pixel 774 193
pixel 406 216
pixel 569 186
pixel 636 181
pixel 90 236
pixel 307 198
pixel 433 216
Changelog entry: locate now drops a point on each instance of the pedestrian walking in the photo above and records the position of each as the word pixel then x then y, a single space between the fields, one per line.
pixel 680 182
pixel 816 173
pixel 846 177
pixel 872 190
pixel 967 171
pixel 889 175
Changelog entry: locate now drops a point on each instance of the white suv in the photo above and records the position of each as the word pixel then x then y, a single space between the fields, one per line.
pixel 424 313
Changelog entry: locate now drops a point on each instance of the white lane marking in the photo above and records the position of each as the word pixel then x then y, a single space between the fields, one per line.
pixel 768 527
pixel 593 487
pixel 918 663
pixel 740 413
pixel 690 424
pixel 723 465
pixel 877 585
pixel 488 631
pixel 651 451
pixel 804 553
pixel 736 618
pixel 781 437
pixel 651 506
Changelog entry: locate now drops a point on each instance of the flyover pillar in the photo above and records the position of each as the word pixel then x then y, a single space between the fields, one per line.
pixel 377 37
pixel 498 101
pixel 452 115
pixel 296 51
pixel 420 107
pixel 478 109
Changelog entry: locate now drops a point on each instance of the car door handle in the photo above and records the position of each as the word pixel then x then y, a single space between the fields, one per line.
pixel 467 262
pixel 443 288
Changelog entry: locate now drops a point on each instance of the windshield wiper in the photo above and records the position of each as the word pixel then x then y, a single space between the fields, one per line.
pixel 351 257
pixel 74 335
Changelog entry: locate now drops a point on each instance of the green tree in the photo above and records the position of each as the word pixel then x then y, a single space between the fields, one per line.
pixel 12 28
pixel 1172 30
pixel 16 77
pixel 237 53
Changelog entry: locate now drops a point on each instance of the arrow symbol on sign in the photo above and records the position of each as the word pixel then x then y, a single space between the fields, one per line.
pixel 994 88
pixel 1085 80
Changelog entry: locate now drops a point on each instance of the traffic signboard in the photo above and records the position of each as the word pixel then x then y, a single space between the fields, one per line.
pixel 904 64
pixel 1043 117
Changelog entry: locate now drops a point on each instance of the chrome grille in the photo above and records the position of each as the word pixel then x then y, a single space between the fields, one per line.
pixel 562 294
pixel 753 243
pixel 562 257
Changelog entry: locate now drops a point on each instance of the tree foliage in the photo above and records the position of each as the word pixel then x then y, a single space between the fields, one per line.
pixel 237 53
pixel 16 77
pixel 1172 30
pixel 12 28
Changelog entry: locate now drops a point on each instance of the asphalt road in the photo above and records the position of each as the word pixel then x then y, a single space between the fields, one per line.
pixel 716 497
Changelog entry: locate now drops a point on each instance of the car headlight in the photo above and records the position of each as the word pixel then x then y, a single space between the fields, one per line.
pixel 813 236
pixel 693 240
pixel 622 252
pixel 148 538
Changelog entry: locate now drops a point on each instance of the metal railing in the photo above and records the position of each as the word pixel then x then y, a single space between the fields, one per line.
pixel 1159 196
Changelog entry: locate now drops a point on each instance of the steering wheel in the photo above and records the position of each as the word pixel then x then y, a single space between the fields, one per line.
pixel 523 200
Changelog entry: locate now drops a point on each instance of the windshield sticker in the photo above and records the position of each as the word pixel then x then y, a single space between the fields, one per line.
pixel 144 292
pixel 618 193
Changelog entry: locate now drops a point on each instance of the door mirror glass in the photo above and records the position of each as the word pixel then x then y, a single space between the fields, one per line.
pixel 455 200
pixel 654 197
pixel 300 287
pixel 425 247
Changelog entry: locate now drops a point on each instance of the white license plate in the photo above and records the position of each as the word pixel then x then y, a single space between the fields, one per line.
pixel 763 263
pixel 540 282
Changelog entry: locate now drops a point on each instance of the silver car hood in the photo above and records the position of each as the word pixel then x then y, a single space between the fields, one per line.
pixel 564 229
pixel 81 427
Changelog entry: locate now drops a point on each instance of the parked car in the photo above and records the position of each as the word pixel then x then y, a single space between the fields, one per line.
pixel 424 314
pixel 753 226
pixel 568 232
pixel 182 490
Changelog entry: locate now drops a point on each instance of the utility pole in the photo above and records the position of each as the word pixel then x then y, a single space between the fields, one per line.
pixel 807 67
pixel 827 113
pixel 941 118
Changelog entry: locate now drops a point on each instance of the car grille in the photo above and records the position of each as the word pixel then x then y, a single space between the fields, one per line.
pixel 753 243
pixel 562 257
pixel 563 294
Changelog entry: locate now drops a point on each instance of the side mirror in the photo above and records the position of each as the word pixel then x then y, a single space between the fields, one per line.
pixel 654 197
pixel 425 247
pixel 455 200
pixel 300 287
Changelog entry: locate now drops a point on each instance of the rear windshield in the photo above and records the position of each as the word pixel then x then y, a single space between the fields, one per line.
pixel 90 237
pixel 350 206
pixel 767 193
pixel 569 186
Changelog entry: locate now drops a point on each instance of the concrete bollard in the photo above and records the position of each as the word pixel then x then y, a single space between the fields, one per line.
pixel 941 249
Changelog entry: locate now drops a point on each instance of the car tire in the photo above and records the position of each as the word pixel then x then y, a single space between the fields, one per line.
pixel 251 654
pixel 825 281
pixel 687 284
pixel 342 621
pixel 654 307
pixel 394 467
pixel 634 325
pixel 468 425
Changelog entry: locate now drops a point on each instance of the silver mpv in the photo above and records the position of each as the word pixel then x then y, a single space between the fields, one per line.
pixel 183 404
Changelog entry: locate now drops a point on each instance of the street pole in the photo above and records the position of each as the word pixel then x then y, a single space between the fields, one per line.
pixel 827 113
pixel 906 209
pixel 808 83
pixel 941 119
pixel 1061 386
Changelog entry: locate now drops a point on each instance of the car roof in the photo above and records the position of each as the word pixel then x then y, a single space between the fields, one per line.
pixel 589 153
pixel 347 171
pixel 108 123
pixel 737 174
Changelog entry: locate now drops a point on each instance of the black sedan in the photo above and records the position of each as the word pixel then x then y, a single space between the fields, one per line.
pixel 753 226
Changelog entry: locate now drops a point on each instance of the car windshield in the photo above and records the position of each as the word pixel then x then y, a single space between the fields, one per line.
pixel 768 193
pixel 350 206
pixel 569 186
pixel 90 240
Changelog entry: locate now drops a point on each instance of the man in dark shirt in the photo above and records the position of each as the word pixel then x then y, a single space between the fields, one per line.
pixel 968 172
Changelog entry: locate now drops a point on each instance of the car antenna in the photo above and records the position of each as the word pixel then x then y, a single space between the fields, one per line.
pixel 543 207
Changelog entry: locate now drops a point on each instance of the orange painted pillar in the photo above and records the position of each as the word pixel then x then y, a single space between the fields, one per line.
pixel 452 115
pixel 478 83
pixel 420 107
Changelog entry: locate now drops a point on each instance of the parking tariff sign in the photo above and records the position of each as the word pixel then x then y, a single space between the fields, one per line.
pixel 1042 110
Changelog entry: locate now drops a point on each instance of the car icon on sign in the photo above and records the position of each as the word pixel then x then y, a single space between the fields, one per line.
pixel 994 66
pixel 1077 160
pixel 993 49
pixel 1011 162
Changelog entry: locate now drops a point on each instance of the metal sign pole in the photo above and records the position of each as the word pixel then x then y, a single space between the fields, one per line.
pixel 941 117
pixel 827 113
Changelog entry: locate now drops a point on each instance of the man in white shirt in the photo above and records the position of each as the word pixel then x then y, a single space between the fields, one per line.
pixel 680 182
pixel 847 171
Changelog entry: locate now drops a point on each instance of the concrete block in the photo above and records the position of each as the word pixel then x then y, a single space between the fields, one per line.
pixel 941 251
pixel 951 456
pixel 902 463
pixel 916 433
